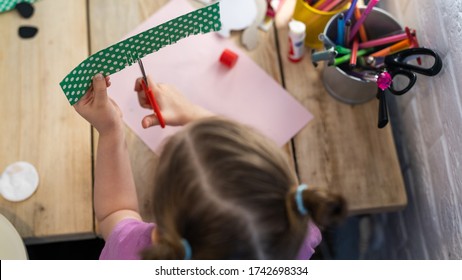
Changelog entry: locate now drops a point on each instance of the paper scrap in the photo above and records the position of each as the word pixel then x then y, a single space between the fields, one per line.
pixel 123 54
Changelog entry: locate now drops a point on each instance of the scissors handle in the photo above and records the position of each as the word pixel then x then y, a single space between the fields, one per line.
pixel 152 100
pixel 399 60
pixel 401 72
pixel 383 109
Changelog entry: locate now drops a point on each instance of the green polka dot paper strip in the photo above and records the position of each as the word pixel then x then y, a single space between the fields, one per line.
pixel 123 54
pixel 6 5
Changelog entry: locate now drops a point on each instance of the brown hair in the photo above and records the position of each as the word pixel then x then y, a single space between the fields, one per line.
pixel 230 192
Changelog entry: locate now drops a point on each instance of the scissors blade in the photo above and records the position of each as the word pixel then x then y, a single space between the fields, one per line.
pixel 140 63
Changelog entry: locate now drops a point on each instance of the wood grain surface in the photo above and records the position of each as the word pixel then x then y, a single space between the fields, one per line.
pixel 37 123
pixel 340 149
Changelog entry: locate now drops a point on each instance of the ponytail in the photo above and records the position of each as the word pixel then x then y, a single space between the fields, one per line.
pixel 165 250
pixel 323 206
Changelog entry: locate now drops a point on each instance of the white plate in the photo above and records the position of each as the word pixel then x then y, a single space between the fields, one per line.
pixel 11 245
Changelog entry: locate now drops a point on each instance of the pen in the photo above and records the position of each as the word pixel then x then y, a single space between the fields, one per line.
pixel 150 95
pixel 413 39
pixel 351 9
pixel 383 41
pixel 342 50
pixel 347 57
pixel 354 52
pixel 331 5
pixel 393 48
pixel 327 42
pixel 363 17
pixel 362 30
pixel 347 32
pixel 340 29
pixel 328 55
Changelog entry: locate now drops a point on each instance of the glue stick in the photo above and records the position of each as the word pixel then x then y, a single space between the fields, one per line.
pixel 296 40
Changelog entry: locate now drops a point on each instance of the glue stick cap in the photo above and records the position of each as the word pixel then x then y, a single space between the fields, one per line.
pixel 297 30
pixel 228 58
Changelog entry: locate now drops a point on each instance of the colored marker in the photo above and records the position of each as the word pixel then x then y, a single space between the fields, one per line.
pixel 327 55
pixel 331 5
pixel 414 43
pixel 362 30
pixel 340 30
pixel 383 41
pixel 363 17
pixel 347 32
pixel 354 52
pixel 404 44
pixel 351 9
pixel 327 42
pixel 347 57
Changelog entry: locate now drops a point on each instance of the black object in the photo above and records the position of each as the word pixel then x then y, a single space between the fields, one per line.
pixel 383 109
pixel 397 65
pixel 26 10
pixel 27 32
pixel 84 249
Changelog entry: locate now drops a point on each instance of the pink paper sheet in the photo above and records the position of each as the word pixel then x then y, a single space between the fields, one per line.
pixel 245 93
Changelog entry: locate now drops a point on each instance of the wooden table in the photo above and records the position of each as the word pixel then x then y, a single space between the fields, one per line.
pixel 340 149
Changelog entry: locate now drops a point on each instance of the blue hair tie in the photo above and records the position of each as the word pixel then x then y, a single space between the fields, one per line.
pixel 299 199
pixel 187 249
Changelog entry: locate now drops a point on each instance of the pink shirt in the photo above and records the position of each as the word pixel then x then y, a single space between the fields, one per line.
pixel 131 236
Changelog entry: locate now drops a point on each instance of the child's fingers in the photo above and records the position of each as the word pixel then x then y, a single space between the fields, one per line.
pixel 138 85
pixel 143 100
pixel 108 81
pixel 99 87
pixel 150 120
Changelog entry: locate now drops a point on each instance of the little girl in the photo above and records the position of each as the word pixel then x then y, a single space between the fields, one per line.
pixel 222 190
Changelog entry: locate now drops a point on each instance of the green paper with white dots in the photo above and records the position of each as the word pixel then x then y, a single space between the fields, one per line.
pixel 123 54
pixel 6 5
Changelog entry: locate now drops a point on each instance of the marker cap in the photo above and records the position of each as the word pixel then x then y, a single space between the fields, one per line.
pixel 297 30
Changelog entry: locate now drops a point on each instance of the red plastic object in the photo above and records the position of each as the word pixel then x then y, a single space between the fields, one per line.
pixel 228 58
pixel 152 100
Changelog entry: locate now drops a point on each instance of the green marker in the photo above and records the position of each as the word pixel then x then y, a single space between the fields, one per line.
pixel 347 57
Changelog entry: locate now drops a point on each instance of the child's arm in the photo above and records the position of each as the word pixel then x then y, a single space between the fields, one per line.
pixel 114 191
pixel 176 109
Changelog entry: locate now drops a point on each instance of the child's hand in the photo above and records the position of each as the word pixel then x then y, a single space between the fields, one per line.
pixel 97 108
pixel 175 108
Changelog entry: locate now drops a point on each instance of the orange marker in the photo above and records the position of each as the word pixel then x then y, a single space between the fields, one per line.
pixel 401 45
pixel 362 30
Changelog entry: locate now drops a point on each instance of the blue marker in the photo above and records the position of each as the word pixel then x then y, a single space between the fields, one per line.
pixel 351 10
pixel 340 30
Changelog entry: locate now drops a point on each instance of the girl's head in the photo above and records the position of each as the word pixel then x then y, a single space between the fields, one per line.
pixel 230 192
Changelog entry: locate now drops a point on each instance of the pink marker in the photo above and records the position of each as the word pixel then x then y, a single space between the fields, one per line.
pixel 330 6
pixel 383 41
pixel 363 17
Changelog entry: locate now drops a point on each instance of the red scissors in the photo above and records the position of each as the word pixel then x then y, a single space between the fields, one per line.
pixel 150 95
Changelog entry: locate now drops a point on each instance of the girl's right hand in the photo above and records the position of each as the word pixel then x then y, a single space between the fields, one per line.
pixel 175 108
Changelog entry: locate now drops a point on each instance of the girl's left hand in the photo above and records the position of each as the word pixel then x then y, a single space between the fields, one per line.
pixel 97 108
